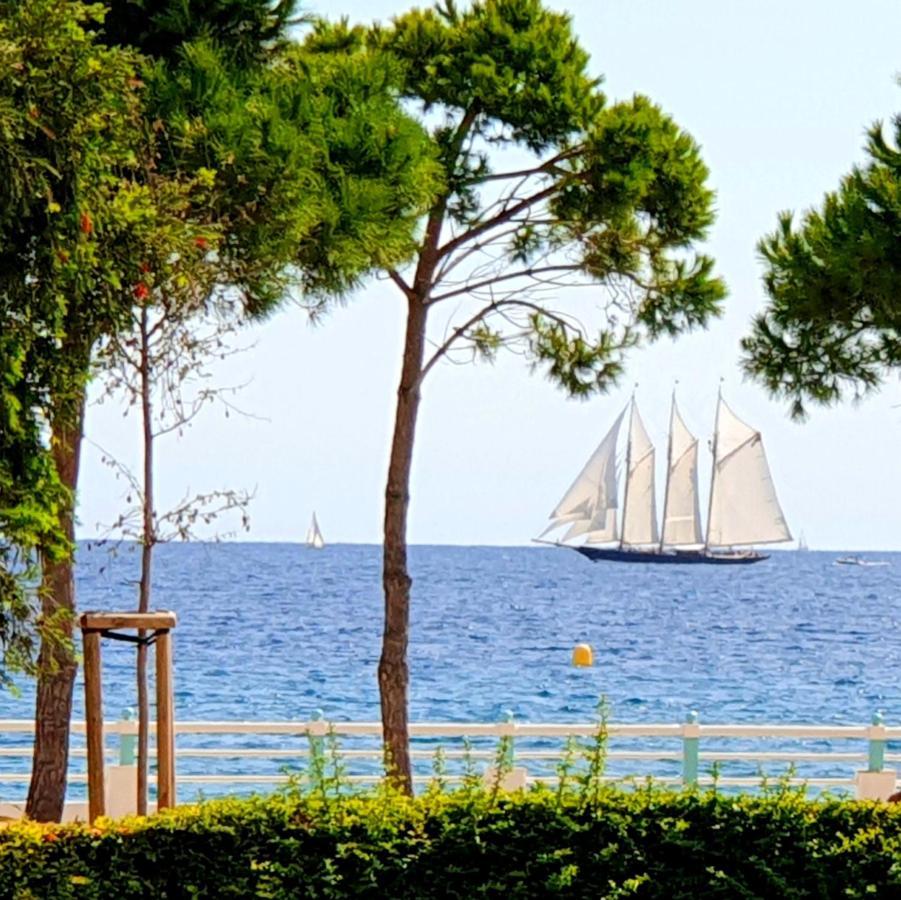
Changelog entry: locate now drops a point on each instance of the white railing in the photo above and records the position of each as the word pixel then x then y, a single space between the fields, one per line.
pixel 848 759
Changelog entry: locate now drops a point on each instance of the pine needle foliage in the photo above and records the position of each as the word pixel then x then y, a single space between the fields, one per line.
pixel 248 29
pixel 610 194
pixel 832 324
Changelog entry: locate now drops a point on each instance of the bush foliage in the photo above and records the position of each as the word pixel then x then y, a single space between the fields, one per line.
pixel 470 843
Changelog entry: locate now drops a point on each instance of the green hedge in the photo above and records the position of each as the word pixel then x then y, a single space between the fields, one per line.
pixel 468 844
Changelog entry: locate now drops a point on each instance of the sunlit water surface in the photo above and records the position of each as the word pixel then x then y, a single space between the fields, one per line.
pixel 277 631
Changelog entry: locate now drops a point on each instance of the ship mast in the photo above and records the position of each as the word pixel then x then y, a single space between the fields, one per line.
pixel 716 431
pixel 669 468
pixel 622 524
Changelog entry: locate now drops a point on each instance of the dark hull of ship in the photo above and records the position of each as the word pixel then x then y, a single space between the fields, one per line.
pixel 672 557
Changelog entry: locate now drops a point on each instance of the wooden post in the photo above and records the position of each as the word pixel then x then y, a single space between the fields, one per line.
pixel 94 626
pixel 93 703
pixel 165 725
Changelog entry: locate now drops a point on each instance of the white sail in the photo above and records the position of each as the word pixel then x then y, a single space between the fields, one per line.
pixel 602 532
pixel 743 504
pixel 314 535
pixel 639 510
pixel 682 514
pixel 590 500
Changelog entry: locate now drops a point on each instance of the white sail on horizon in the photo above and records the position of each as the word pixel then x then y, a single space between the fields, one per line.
pixel 640 502
pixel 589 506
pixel 314 537
pixel 682 512
pixel 744 508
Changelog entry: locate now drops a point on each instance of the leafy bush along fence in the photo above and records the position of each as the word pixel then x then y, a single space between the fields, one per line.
pixel 595 841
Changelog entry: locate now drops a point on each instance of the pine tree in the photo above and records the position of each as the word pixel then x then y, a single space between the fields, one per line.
pixel 833 320
pixel 547 188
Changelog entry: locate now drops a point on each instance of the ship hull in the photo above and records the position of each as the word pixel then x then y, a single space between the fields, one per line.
pixel 672 557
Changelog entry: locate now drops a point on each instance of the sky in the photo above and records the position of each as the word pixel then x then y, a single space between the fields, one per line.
pixel 778 95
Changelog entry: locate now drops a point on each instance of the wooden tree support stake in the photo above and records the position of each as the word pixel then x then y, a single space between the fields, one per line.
pixel 94 626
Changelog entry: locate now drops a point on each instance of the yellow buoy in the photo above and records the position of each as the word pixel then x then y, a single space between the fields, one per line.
pixel 582 655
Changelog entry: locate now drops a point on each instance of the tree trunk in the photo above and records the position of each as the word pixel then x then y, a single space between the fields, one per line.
pixel 148 541
pixel 56 677
pixel 394 673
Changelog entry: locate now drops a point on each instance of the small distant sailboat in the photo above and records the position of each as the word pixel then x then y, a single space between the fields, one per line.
pixel 315 540
pixel 802 542
pixel 743 507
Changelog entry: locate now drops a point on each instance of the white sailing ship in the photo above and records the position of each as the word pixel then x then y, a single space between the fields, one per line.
pixel 314 540
pixel 743 509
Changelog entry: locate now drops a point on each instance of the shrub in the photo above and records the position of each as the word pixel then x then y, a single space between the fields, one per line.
pixel 468 844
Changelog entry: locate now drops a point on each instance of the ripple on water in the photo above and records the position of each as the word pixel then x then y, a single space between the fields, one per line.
pixel 271 629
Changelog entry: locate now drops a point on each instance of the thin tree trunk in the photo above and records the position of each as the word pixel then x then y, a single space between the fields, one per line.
pixel 394 674
pixel 56 677
pixel 148 541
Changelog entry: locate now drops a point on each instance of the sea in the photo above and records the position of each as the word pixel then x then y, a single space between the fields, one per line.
pixel 282 632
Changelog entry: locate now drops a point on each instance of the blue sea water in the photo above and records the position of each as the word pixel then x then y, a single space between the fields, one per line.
pixel 277 631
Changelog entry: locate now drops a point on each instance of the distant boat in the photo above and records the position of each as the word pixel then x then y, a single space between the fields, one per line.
pixel 802 542
pixel 858 561
pixel 315 540
pixel 743 508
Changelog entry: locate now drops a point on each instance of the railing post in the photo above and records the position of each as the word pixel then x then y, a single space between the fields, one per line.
pixel 691 732
pixel 316 729
pixel 508 749
pixel 876 734
pixel 510 777
pixel 876 782
pixel 317 724
pixel 122 779
pixel 128 741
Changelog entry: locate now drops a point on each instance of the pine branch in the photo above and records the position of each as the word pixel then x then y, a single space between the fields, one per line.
pixel 480 316
pixel 522 273
pixel 497 220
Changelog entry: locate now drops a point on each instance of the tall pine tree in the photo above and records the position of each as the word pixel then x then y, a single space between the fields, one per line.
pixel 546 188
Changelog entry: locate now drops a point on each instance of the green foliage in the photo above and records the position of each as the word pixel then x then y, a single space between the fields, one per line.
pixel 68 116
pixel 833 320
pixel 648 843
pixel 246 29
pixel 515 61
pixel 232 166
pixel 613 196
pixel 581 365
pixel 317 175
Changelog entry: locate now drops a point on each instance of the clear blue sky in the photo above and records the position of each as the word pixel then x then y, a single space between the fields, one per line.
pixel 779 95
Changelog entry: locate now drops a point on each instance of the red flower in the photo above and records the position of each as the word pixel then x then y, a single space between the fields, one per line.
pixel 85 223
pixel 201 242
pixel 51 836
pixel 142 292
